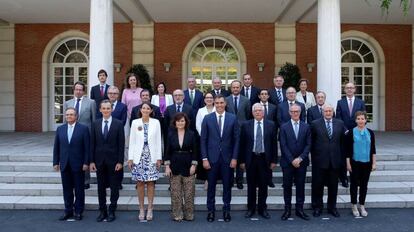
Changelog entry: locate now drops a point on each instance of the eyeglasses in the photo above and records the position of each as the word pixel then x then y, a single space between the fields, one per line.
pixel 112 93
pixel 294 111
pixel 177 95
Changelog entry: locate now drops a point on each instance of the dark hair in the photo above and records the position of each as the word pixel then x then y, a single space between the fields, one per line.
pixel 208 93
pixel 79 83
pixel 102 71
pixel 161 83
pixel 219 96
pixel 359 113
pixel 129 76
pixel 178 116
pixel 303 80
pixel 104 102
pixel 145 90
pixel 150 106
pixel 267 91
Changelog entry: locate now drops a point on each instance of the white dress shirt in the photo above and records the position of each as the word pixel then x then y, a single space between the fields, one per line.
pixel 222 121
pixel 255 133
pixel 109 123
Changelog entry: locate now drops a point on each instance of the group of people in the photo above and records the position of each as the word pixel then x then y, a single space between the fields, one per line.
pixel 214 136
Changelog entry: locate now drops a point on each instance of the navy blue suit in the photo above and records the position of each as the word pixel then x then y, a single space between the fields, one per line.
pixel 223 92
pixel 71 156
pixel 258 165
pixel 292 148
pixel 96 95
pixel 342 111
pixel 120 112
pixel 254 94
pixel 313 113
pixel 219 151
pixel 198 101
pixel 273 96
pixel 283 115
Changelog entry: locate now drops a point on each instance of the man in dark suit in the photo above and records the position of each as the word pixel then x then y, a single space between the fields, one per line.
pixel 178 106
pixel 278 93
pixel 258 155
pixel 345 110
pixel 327 159
pixel 240 106
pixel 283 115
pixel 295 145
pixel 71 156
pixel 219 152
pixel 248 90
pixel 270 113
pixel 107 158
pixel 145 98
pixel 218 89
pixel 193 96
pixel 100 92
pixel 119 109
pixel 316 112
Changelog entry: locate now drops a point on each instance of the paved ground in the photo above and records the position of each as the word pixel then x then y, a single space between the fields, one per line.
pixel 379 220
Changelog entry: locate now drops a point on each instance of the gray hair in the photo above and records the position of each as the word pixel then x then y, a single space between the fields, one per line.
pixel 257 105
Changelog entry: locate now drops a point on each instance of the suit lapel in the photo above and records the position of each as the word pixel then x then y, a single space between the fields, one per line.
pixel 65 133
pixel 216 123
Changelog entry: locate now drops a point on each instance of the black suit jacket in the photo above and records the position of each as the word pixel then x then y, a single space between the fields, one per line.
pixel 273 96
pixel 108 151
pixel 155 109
pixel 291 147
pixel 342 111
pixel 283 112
pixel 254 94
pixel 96 94
pixel 172 110
pixel 272 113
pixel 326 152
pixel 223 92
pixel 313 113
pixel 181 157
pixel 247 142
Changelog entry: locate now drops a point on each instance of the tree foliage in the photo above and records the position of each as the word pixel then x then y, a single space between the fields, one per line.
pixel 142 73
pixel 291 74
pixel 405 5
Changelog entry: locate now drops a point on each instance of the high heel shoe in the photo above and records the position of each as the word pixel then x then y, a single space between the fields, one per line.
pixel 355 211
pixel 141 215
pixel 149 214
pixel 364 212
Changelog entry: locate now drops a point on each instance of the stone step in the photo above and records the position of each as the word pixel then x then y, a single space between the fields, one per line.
pixel 47 156
pixel 54 177
pixel 23 166
pixel 164 203
pixel 161 190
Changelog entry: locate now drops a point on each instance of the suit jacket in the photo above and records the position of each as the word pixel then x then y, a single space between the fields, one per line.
pixel 254 94
pixel 120 112
pixel 223 92
pixel 172 110
pixel 283 112
pixel 87 112
pixel 243 110
pixel 326 152
pixel 155 109
pixel 342 111
pixel 198 100
pixel 310 99
pixel 136 140
pixel 76 152
pixel 96 94
pixel 247 142
pixel 291 147
pixel 110 150
pixel 272 113
pixel 313 113
pixel 180 158
pixel 214 146
pixel 273 96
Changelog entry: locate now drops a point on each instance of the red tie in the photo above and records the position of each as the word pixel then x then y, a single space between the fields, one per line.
pixel 102 90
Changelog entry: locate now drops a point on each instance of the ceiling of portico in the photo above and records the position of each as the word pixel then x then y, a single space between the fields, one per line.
pixel 145 11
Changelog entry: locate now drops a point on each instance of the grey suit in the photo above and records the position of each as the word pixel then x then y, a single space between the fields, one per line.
pixel 86 117
pixel 243 110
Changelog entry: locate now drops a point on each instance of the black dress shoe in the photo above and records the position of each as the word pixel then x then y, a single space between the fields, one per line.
pixel 264 214
pixel 271 185
pixel 334 212
pixel 226 216
pixel 240 186
pixel 302 215
pixel 121 187
pixel 65 216
pixel 111 216
pixel 102 216
pixel 77 217
pixel 345 183
pixel 210 216
pixel 86 186
pixel 317 212
pixel 285 215
pixel 249 214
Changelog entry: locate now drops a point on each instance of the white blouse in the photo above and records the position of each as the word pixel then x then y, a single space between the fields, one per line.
pixel 200 116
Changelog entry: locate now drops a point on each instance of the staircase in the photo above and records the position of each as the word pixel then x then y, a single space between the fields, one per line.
pixel 27 181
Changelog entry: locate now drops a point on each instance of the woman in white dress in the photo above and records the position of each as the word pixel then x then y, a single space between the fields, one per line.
pixel 208 108
pixel 305 96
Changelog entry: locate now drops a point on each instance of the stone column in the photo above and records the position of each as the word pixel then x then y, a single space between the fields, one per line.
pixel 101 52
pixel 329 49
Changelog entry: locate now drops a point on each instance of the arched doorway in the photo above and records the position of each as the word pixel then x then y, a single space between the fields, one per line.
pixel 360 66
pixel 68 64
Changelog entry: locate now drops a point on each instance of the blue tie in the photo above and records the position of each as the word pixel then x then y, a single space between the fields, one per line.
pixel 235 105
pixel 279 96
pixel 329 128
pixel 70 132
pixel 105 132
pixel 178 108
pixel 220 124
pixel 77 106
pixel 296 130
pixel 259 138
